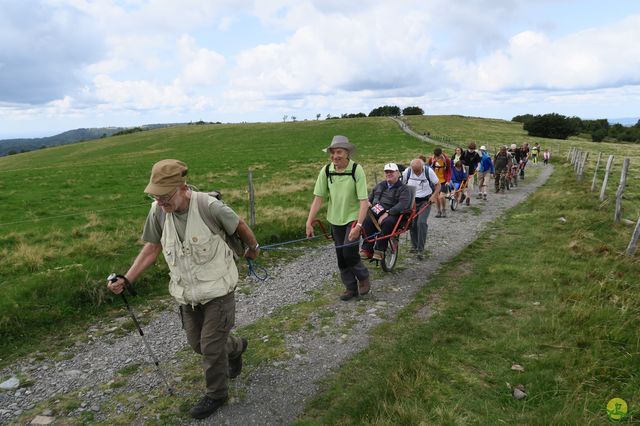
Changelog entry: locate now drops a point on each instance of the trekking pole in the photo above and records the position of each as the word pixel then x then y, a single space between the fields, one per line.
pixel 113 278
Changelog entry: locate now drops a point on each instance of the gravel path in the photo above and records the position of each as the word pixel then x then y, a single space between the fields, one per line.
pixel 273 393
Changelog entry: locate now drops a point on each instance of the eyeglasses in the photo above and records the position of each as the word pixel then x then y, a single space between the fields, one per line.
pixel 165 199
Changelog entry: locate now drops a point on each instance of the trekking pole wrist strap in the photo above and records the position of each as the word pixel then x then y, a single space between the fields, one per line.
pixel 127 285
pixel 126 280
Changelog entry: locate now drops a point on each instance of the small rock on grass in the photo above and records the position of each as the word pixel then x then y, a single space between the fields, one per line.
pixel 519 392
pixel 517 367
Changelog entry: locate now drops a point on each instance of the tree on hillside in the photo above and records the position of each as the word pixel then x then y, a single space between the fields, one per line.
pixel 385 111
pixel 413 110
pixel 293 117
pixel 284 118
pixel 522 118
pixel 352 115
pixel 317 116
pixel 598 135
pixel 552 125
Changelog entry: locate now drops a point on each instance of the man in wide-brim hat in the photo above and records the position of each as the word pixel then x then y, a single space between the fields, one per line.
pixel 344 184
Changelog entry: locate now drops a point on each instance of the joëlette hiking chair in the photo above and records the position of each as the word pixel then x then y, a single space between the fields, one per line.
pixel 455 197
pixel 402 225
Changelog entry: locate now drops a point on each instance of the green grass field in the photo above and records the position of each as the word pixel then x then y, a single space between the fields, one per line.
pixel 71 215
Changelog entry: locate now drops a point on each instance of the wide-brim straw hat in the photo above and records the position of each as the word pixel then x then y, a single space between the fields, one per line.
pixel 340 141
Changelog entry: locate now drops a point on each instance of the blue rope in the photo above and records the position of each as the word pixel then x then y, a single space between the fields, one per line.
pixel 261 273
pixel 254 268
pixel 272 246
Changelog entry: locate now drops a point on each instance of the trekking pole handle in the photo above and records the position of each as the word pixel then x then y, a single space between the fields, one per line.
pixel 113 277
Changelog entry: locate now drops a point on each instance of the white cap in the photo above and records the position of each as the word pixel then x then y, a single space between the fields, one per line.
pixel 391 166
pixel 513 146
pixel 483 148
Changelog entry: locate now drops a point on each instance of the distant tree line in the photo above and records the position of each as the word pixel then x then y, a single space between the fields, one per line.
pixel 558 126
pixel 383 111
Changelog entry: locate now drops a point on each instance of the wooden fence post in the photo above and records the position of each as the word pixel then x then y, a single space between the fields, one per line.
pixel 569 153
pixel 606 177
pixel 623 182
pixel 576 161
pixel 595 173
pixel 252 201
pixel 582 165
pixel 631 248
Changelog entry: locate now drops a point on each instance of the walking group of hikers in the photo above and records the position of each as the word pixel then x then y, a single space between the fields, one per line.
pixel 195 232
pixel 356 214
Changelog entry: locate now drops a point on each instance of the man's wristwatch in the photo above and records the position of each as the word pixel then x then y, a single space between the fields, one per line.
pixel 257 246
pixel 358 224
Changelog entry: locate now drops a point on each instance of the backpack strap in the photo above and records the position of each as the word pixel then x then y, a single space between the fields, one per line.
pixel 160 216
pixel 205 214
pixel 352 173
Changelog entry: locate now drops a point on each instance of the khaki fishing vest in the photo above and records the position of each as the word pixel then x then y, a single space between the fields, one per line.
pixel 202 266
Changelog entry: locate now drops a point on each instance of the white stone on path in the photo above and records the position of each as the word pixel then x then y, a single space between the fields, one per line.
pixel 11 383
pixel 42 420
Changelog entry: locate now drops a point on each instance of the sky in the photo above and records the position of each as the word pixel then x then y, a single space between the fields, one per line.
pixel 66 64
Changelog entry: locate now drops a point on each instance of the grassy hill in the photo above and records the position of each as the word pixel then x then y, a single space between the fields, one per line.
pixel 13 146
pixel 70 215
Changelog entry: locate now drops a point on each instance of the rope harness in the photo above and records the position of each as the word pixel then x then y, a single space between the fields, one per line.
pixel 261 273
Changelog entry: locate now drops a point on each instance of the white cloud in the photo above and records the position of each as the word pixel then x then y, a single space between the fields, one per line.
pixel 138 94
pixel 598 57
pixel 378 48
pixel 200 66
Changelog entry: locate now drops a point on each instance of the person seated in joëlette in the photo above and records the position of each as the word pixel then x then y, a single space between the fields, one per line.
pixel 388 200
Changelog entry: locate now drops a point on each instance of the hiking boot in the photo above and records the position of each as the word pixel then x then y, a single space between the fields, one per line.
pixel 420 256
pixel 444 214
pixel 348 295
pixel 439 214
pixel 468 202
pixel 365 254
pixel 206 407
pixel 364 286
pixel 378 255
pixel 484 197
pixel 479 197
pixel 235 364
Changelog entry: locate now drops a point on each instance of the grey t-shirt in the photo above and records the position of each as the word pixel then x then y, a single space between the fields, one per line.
pixel 223 216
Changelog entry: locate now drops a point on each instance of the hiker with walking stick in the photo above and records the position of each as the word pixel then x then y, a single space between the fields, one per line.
pixel 191 228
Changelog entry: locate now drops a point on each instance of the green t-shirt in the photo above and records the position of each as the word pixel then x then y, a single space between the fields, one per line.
pixel 223 216
pixel 344 194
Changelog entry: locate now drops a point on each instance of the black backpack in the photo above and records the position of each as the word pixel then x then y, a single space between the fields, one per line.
pixel 352 173
pixel 431 185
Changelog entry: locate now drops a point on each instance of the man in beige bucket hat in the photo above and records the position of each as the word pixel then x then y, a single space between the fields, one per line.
pixel 180 224
pixel 344 184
